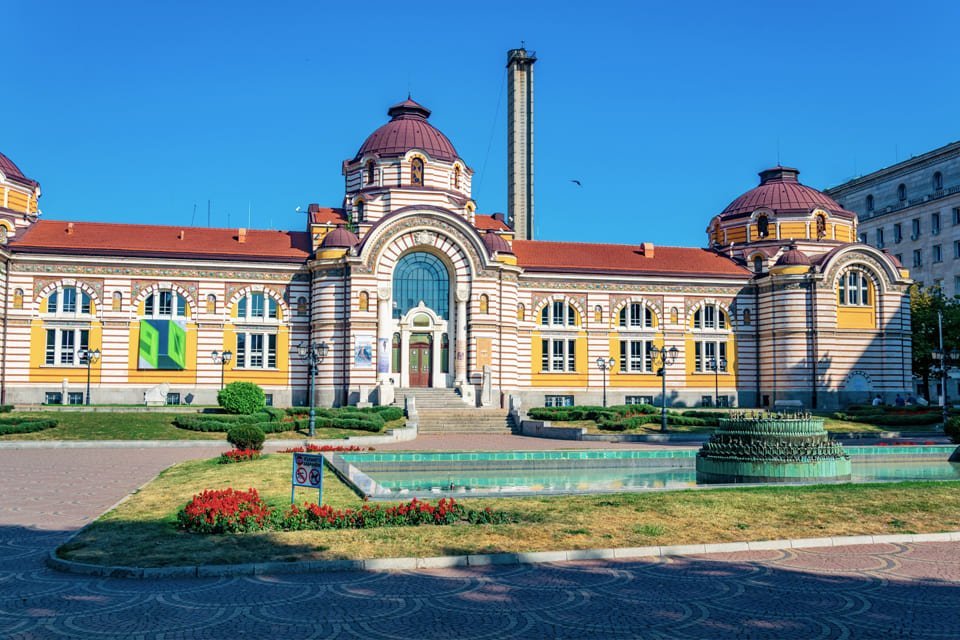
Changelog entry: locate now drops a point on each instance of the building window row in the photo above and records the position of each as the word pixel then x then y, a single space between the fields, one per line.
pixel 256 351
pixel 559 355
pixel 636 356
pixel 65 345
pixel 708 355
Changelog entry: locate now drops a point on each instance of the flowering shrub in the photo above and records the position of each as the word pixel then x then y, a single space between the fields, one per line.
pixel 230 511
pixel 323 448
pixel 238 455
pixel 224 511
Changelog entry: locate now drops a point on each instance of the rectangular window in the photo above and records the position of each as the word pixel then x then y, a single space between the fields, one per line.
pixel 935 223
pixel 937 253
pixel 69 300
pixel 272 308
pixel 853 288
pixel 556 363
pixel 558 312
pixel 723 355
pixel 698 356
pixel 880 238
pixel 558 401
pixel 148 306
pixel 897 232
pixel 242 307
pixel 272 351
pixel 256 350
pixel 917 258
pixel 706 401
pixel 956 285
pixel 956 215
pixel 53 397
pixel 67 347
pixel 709 317
pixel 173 398
pixel 956 249
pixel 166 304
pixel 84 303
pixel 915 228
pixel 181 306
pixel 545 355
pixel 648 318
pixel 75 397
pixel 63 344
pixel 241 357
pixel 571 355
pixel 638 400
pixel 256 305
pixel 51 350
pixel 268 397
pixel 863 238
pixel 558 355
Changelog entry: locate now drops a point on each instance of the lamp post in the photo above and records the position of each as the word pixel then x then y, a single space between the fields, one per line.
pixel 660 357
pixel 89 356
pixel 944 359
pixel 313 353
pixel 605 364
pixel 223 359
pixel 717 365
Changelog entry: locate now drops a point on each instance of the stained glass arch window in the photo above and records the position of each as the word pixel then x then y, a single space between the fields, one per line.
pixel 421 276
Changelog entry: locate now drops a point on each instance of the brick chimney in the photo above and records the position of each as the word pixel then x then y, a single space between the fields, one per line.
pixel 646 249
pixel 182 234
pixel 69 228
pixel 242 235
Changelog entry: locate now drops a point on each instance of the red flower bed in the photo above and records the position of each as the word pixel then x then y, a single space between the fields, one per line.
pixel 238 455
pixel 323 448
pixel 224 511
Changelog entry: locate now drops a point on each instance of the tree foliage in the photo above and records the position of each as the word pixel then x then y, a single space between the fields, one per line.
pixel 925 304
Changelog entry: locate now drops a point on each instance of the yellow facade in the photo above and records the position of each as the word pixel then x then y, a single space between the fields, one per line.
pixel 578 378
pixel 52 374
pixel 265 377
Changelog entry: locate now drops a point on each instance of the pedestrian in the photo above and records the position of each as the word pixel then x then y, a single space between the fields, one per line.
pixel 899 401
pixel 877 401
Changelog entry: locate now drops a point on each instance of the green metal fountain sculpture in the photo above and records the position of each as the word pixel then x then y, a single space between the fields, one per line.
pixel 771 447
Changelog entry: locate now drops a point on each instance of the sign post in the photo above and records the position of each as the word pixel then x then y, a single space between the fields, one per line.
pixel 307 472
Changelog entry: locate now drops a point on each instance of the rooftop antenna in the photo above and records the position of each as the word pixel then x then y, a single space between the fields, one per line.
pixel 228 219
pixel 208 213
pixel 249 209
pixel 194 214
pixel 778 151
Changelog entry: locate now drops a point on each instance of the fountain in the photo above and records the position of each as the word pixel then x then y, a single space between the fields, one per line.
pixel 771 447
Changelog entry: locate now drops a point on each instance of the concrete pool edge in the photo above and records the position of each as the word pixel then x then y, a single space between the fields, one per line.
pixel 486 559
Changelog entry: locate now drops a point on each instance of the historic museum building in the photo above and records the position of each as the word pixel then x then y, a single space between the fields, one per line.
pixel 406 285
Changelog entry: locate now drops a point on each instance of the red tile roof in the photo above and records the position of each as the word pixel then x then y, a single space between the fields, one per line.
pixel 489 223
pixel 581 257
pixel 105 239
pixel 325 215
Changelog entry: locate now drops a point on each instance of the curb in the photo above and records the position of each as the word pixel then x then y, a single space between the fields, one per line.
pixel 387 438
pixel 442 562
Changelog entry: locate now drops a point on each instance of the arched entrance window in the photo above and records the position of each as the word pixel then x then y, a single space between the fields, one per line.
pixel 421 276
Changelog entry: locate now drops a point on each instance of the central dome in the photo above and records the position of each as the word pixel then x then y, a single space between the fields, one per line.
pixel 408 129
pixel 781 192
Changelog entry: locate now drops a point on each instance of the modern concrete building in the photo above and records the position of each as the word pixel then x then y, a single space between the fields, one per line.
pixel 912 210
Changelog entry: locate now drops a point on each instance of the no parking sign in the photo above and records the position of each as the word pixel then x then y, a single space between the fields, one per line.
pixel 307 472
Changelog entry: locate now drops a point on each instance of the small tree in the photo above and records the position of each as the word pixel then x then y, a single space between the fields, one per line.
pixel 246 436
pixel 241 397
pixel 924 306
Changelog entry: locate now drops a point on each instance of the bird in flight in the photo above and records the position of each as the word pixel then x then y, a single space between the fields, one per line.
pixel 576 182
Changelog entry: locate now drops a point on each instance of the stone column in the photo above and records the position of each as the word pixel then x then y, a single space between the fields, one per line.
pixel 383 327
pixel 462 294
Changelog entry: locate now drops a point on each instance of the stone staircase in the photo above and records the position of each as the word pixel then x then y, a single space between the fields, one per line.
pixel 443 411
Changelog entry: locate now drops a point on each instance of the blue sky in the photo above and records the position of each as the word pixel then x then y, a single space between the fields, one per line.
pixel 136 112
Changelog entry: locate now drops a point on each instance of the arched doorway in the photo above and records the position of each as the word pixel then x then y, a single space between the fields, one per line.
pixel 421 304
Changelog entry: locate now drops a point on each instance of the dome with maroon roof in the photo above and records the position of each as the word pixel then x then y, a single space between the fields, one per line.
pixel 495 244
pixel 13 173
pixel 793 257
pixel 781 192
pixel 408 129
pixel 339 238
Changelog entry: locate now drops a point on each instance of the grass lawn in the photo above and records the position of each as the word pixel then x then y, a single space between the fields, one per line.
pixel 145 426
pixel 142 531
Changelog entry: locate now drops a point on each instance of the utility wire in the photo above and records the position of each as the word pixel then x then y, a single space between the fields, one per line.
pixel 493 129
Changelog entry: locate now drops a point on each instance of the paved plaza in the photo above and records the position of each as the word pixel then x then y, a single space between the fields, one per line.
pixel 875 591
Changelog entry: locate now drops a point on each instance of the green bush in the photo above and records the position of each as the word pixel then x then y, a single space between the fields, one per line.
pixel 6 408
pixel 242 397
pixel 212 422
pixel 952 429
pixel 10 426
pixel 891 419
pixel 246 436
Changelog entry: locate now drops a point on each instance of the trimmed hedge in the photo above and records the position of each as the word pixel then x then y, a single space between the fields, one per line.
pixel 9 426
pixel 891 420
pixel 6 408
pixel 952 429
pixel 242 397
pixel 246 436
pixel 272 420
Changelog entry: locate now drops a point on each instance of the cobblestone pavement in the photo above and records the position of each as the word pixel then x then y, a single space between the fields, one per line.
pixel 875 591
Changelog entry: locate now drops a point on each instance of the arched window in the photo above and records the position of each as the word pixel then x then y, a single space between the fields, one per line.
pixel 421 276
pixel 69 301
pixel 371 171
pixel 937 181
pixel 636 315
pixel 117 301
pixel 301 306
pixel 763 226
pixel 746 317
pixel 165 304
pixel 360 211
pixel 521 311
pixel 558 313
pixel 758 264
pixel 18 299
pixel 821 226
pixel 853 289
pixel 364 301
pixel 710 316
pixel 257 305
pixel 484 303
pixel 598 313
pixel 456 177
pixel 211 303
pixel 902 192
pixel 870 203
pixel 674 315
pixel 416 172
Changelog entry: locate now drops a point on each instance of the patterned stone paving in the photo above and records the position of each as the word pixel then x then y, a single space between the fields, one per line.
pixel 869 591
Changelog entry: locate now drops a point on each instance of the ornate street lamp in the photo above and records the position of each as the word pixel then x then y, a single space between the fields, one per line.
pixel 605 364
pixel 660 358
pixel 313 353
pixel 223 359
pixel 717 366
pixel 88 356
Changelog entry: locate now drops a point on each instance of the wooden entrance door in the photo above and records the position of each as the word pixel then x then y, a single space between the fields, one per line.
pixel 421 360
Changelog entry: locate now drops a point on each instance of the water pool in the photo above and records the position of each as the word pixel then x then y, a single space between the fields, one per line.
pixel 517 473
